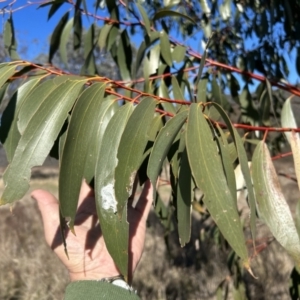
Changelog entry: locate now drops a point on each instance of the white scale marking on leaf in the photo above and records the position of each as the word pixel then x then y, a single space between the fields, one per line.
pixel 108 198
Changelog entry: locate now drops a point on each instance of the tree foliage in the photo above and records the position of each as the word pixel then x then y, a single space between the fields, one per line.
pixel 181 112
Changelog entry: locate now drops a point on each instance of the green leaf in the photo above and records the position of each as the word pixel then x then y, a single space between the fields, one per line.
pixel 151 62
pixel 9 133
pixel 243 160
pixel 113 9
pixel 9 37
pixel 165 47
pixel 249 112
pixel 89 41
pixel 175 156
pixel 201 66
pixel 38 139
pixel 184 200
pixel 144 17
pixel 77 27
pixel 64 41
pixel 271 205
pixel 217 94
pixel 227 163
pixel 89 66
pixel 208 174
pixel 178 53
pixel 163 144
pixel 124 56
pixel 234 88
pixel 163 92
pixel 115 231
pixel 112 37
pixel 56 36
pixel 54 7
pixel 6 71
pixel 78 147
pixel 201 90
pixel 288 119
pixel 171 13
pixel 177 93
pixel 156 125
pixel 271 101
pixel 295 145
pixel 131 149
pixel 148 41
pixel 30 105
pixel 103 35
pixel 265 106
pixel 3 91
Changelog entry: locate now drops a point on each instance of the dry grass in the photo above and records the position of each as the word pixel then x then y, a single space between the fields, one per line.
pixel 29 270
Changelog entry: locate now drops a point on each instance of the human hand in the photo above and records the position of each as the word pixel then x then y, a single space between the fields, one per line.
pixel 88 256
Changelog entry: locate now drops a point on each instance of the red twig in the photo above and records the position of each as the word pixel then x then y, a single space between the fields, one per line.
pixel 282 155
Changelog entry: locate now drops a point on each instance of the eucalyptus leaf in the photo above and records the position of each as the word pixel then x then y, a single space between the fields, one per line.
pixel 271 205
pixel 295 145
pixel 144 17
pixel 3 91
pixel 56 36
pixel 201 90
pixel 178 95
pixel 103 35
pixel 124 56
pixel 64 40
pixel 85 119
pixel 207 171
pixel 9 37
pixel 165 47
pixel 131 149
pixel 30 105
pixel 115 230
pixel 38 139
pixel 162 145
pixel 171 13
pixel 9 133
pixel 201 66
pixel 77 27
pixel 288 119
pixel 6 71
pixel 243 160
pixel 154 36
pixel 184 200
pixel 227 163
pixel 178 53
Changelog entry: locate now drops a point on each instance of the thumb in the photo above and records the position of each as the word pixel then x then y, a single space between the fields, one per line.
pixel 49 209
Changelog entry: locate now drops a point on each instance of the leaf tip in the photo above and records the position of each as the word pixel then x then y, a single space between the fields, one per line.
pixel 247 266
pixel 70 224
pixel 66 252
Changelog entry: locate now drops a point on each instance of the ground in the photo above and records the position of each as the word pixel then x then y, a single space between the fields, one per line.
pixel 29 270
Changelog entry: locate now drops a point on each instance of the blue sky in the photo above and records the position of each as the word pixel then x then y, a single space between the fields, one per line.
pixel 32 28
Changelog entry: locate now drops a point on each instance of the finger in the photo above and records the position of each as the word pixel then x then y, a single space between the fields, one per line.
pixel 49 209
pixel 144 203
